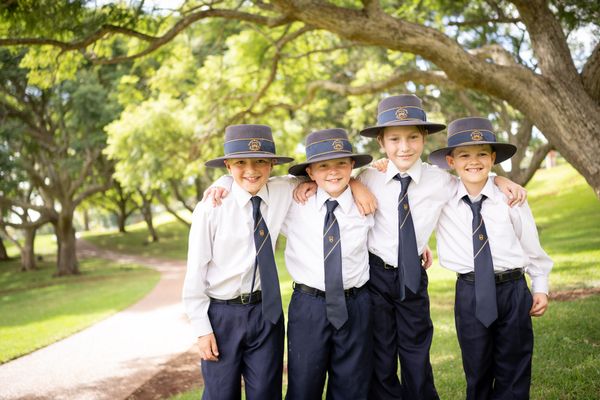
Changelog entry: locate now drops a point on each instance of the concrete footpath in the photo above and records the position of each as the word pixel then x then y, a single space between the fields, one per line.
pixel 114 357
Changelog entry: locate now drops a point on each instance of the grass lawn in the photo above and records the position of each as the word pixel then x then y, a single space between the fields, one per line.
pixel 567 350
pixel 37 309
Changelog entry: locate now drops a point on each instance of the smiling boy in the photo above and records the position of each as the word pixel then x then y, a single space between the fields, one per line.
pixel 329 333
pixel 231 290
pixel 490 246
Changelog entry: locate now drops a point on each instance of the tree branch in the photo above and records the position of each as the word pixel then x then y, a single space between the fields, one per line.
pixel 485 21
pixel 547 38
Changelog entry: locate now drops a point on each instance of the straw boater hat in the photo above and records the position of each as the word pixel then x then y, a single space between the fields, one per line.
pixel 248 141
pixel 471 131
pixel 402 110
pixel 328 144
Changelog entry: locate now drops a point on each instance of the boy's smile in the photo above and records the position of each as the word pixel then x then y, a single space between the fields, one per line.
pixel 331 175
pixel 403 145
pixel 473 164
pixel 250 173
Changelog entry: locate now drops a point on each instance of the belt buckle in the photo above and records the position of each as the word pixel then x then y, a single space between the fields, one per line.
pixel 245 298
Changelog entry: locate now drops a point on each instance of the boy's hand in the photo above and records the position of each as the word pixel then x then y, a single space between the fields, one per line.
pixel 516 193
pixel 303 191
pixel 364 199
pixel 426 258
pixel 208 347
pixel 215 194
pixel 381 165
pixel 540 304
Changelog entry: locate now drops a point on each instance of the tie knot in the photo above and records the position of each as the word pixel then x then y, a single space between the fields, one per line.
pixel 404 181
pixel 475 205
pixel 255 202
pixel 331 205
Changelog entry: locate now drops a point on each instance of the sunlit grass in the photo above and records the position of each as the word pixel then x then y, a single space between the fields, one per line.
pixel 37 309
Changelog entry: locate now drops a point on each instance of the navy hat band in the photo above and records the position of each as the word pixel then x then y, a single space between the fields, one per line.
pixel 399 114
pixel 328 146
pixel 250 145
pixel 470 136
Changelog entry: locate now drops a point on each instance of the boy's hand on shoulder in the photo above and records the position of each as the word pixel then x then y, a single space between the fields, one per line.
pixel 540 304
pixel 426 258
pixel 215 194
pixel 381 164
pixel 208 347
pixel 364 199
pixel 515 193
pixel 303 191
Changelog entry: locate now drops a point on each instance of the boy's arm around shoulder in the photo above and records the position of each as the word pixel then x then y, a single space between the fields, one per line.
pixel 195 299
pixel 219 189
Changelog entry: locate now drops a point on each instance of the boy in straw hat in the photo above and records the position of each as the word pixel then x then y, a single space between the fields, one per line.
pixel 329 327
pixel 490 245
pixel 410 197
pixel 231 289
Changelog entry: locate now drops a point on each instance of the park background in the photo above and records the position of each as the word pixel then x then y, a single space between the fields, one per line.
pixel 109 110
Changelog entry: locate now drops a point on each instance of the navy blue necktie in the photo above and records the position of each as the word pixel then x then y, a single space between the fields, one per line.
pixel 409 263
pixel 269 282
pixel 486 310
pixel 335 300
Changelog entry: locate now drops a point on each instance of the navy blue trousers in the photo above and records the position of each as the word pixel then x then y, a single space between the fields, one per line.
pixel 248 346
pixel 317 350
pixel 497 359
pixel 401 330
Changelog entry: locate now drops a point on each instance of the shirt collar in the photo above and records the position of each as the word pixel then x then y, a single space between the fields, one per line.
pixel 487 191
pixel 242 197
pixel 414 171
pixel 345 200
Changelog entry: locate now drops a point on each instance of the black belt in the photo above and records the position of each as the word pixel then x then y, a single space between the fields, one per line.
pixel 376 260
pixel 244 298
pixel 352 292
pixel 510 275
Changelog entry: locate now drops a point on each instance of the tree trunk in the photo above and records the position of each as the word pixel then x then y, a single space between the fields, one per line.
pixel 27 252
pixel 147 213
pixel 121 217
pixel 86 220
pixel 3 253
pixel 65 235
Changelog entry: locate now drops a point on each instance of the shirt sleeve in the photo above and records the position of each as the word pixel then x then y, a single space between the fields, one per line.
pixel 195 299
pixel 539 263
pixel 287 184
pixel 224 182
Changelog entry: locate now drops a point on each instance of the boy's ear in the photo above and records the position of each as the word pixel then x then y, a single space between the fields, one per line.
pixel 226 162
pixel 450 160
pixel 380 141
pixel 309 172
pixel 493 157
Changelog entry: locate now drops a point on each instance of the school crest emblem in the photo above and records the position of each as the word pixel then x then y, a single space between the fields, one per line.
pixel 476 135
pixel 481 237
pixel 337 145
pixel 261 232
pixel 405 206
pixel 331 239
pixel 254 145
pixel 401 113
